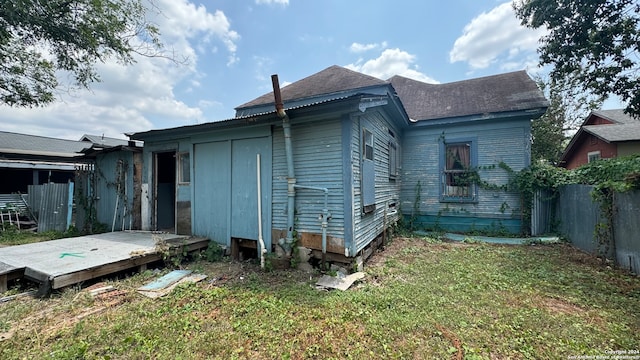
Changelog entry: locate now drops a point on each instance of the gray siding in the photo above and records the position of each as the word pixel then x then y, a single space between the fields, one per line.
pixel 506 141
pixel 317 158
pixel 368 226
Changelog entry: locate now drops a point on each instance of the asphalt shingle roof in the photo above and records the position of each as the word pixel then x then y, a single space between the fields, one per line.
pixel 331 80
pixel 491 94
pixel 616 115
pixel 615 132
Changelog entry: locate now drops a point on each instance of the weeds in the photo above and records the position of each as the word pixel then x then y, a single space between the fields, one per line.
pixel 472 301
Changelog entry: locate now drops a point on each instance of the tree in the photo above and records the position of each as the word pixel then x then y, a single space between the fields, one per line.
pixel 41 39
pixel 548 131
pixel 564 114
pixel 592 45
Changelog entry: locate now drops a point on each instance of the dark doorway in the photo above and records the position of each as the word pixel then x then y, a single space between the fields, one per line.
pixel 165 191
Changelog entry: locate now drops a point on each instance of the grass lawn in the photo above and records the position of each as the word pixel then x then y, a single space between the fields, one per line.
pixel 421 299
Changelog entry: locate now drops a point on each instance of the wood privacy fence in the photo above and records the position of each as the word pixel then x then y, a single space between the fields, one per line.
pixel 579 218
pixel 52 205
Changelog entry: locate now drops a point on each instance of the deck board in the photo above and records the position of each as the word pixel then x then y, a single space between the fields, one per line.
pixel 63 262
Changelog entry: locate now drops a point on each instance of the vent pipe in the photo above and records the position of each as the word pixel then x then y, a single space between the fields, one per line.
pixel 291 177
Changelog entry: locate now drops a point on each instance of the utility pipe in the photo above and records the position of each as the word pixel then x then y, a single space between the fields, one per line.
pixel 263 249
pixel 291 177
pixel 324 217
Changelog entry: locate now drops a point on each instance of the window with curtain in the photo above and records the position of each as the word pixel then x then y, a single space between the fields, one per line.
pixel 457 182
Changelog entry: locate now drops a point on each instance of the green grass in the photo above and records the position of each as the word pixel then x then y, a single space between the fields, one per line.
pixel 12 236
pixel 419 300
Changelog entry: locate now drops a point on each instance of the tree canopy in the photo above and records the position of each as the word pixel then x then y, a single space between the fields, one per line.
pixel 43 39
pixel 564 113
pixel 592 45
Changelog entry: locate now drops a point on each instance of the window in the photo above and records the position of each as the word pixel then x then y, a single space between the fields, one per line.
pixel 367 145
pixel 457 162
pixel 593 156
pixel 184 171
pixel 368 173
pixel 393 160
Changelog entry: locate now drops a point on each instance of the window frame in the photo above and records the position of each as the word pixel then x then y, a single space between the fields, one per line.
pixel 366 146
pixel 592 154
pixel 472 196
pixel 393 160
pixel 367 181
pixel 183 157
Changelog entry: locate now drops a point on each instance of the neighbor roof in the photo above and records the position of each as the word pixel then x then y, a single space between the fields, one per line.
pixel 616 115
pixel 512 91
pixel 331 80
pixel 102 140
pixel 14 143
pixel 615 132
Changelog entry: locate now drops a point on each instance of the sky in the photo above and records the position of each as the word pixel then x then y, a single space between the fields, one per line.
pixel 232 47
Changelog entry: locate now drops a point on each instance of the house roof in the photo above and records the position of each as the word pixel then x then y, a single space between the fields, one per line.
pixel 512 91
pixel 615 132
pixel 331 80
pixel 617 116
pixel 14 143
pixel 103 140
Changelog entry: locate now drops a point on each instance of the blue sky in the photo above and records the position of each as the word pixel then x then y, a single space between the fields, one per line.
pixel 234 46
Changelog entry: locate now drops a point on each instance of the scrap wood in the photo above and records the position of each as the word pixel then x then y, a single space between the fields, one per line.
pixel 13 297
pixel 459 355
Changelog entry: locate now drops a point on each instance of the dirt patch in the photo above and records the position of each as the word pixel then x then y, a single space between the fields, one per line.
pixel 561 306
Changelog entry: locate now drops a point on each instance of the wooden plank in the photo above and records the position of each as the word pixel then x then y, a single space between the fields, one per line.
pixel 92 273
pixel 9 272
pixel 314 241
pixel 98 271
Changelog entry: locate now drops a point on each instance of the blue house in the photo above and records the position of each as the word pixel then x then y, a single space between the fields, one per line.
pixel 336 165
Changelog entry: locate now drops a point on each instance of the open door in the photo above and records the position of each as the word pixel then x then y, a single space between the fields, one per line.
pixel 165 191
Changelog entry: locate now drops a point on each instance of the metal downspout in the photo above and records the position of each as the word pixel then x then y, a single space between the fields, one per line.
pixel 291 177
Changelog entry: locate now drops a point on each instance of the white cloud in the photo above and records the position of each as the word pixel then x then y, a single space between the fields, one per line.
pixel 497 36
pixel 357 47
pixel 391 62
pixel 141 96
pixel 269 2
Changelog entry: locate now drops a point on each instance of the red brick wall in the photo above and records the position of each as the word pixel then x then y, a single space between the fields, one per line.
pixel 586 144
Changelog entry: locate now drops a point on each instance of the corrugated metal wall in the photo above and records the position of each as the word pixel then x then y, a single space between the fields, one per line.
pixel 52 204
pixel 578 216
pixel 506 141
pixel 541 212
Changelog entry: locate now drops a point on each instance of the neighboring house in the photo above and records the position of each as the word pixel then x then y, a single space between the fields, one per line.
pixel 604 134
pixel 358 148
pixel 32 160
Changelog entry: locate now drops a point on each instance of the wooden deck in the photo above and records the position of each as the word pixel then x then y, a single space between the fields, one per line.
pixel 58 263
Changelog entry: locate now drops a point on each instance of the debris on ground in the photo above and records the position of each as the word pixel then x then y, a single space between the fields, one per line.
pixel 168 282
pixel 13 297
pixel 340 282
